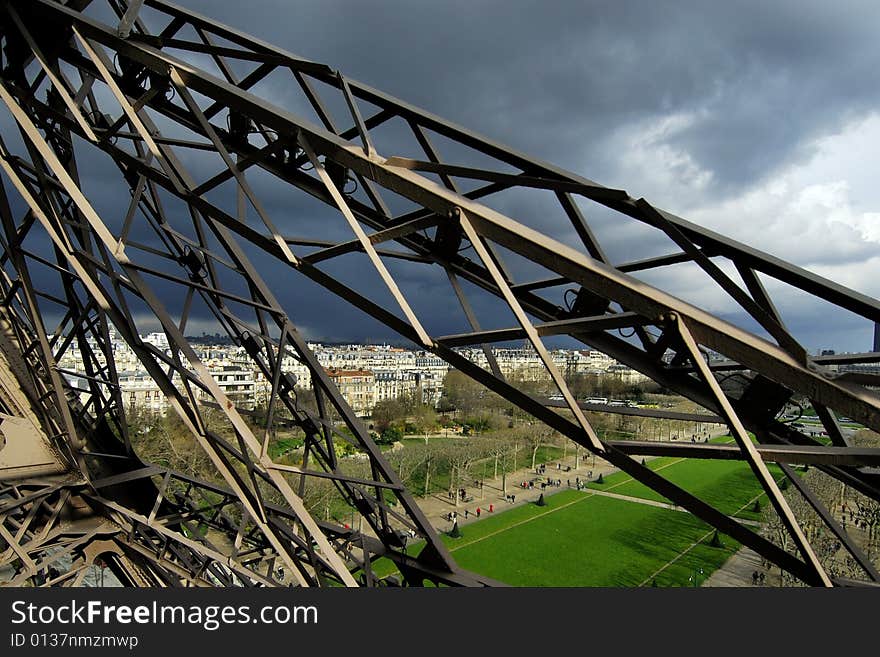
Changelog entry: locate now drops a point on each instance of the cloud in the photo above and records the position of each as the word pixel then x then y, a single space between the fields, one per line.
pixel 751 118
pixel 817 212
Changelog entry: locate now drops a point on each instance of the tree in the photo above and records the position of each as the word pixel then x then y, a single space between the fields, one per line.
pixel 466 396
pixel 460 393
pixel 390 435
pixel 500 449
pixel 408 463
pixel 389 413
pixel 424 418
pixel 460 458
pixel 535 435
pixel 429 461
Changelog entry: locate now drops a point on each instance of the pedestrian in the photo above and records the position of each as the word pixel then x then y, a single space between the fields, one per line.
pixel 478 512
pixel 491 508
pixel 568 482
pixel 466 514
pixel 754 577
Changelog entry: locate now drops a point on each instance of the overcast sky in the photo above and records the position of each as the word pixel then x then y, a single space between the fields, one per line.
pixel 756 119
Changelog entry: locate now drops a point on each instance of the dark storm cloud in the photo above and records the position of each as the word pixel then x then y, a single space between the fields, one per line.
pixel 751 85
pixel 555 79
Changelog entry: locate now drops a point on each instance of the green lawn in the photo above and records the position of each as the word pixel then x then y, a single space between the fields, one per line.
pixel 284 446
pixel 726 485
pixel 580 539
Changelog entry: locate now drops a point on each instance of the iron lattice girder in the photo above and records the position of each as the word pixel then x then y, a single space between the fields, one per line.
pixel 436 552
pixel 750 351
pixel 292 141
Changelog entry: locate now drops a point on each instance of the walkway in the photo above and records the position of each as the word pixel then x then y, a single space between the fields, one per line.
pixel 662 505
pixel 737 571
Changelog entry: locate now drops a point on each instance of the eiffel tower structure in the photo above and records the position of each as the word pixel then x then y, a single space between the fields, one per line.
pixel 175 114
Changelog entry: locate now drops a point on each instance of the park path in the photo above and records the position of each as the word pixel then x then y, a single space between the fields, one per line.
pixel 659 504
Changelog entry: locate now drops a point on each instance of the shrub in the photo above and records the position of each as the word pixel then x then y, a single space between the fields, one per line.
pixel 390 435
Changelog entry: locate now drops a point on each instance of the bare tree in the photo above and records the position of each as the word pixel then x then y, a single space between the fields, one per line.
pixel 460 458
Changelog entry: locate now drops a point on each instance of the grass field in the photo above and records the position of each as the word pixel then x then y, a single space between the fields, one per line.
pixel 726 485
pixel 580 539
pixel 583 539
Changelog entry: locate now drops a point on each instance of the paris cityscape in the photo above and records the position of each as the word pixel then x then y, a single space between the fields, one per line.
pixel 365 374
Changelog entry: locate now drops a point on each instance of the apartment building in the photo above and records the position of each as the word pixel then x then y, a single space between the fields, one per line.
pixel 358 387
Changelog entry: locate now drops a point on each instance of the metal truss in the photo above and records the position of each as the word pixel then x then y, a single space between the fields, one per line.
pixel 175 102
